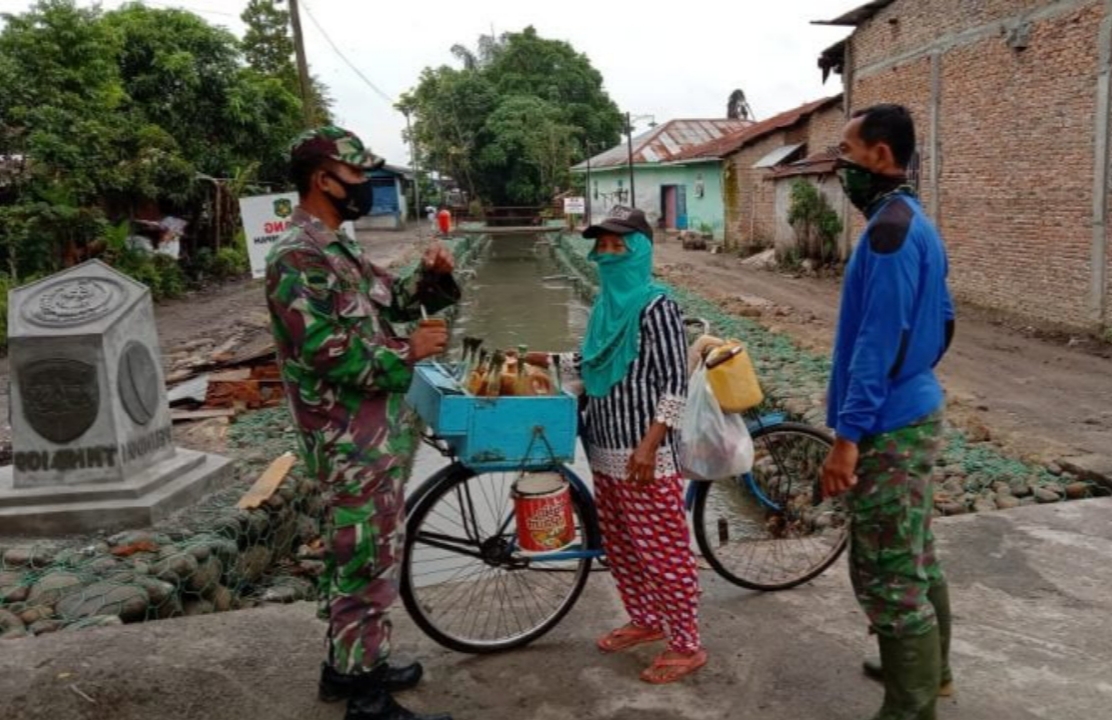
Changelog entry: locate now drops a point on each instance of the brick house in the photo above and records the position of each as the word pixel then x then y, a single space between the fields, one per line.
pixel 755 209
pixel 1011 100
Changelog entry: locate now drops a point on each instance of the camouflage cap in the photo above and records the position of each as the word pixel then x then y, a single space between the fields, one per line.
pixel 336 143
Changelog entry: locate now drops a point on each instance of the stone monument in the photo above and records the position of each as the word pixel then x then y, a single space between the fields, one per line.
pixel 91 437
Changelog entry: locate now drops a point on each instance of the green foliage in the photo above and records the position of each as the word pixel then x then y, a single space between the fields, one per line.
pixel 510 123
pixel 817 226
pixel 161 273
pixel 232 260
pixel 269 50
pixel 113 113
pixel 267 44
pixel 525 151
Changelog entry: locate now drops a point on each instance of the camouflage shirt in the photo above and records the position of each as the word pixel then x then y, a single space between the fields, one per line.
pixel 344 367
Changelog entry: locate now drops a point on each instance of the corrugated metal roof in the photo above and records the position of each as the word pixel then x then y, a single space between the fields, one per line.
pixel 858 15
pixel 732 143
pixel 777 156
pixel 665 143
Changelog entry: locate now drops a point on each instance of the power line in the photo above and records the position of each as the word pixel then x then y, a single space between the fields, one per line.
pixel 199 11
pixel 350 64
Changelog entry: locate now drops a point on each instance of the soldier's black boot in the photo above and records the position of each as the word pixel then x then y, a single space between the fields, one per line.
pixel 912 666
pixel 335 685
pixel 372 701
pixel 939 596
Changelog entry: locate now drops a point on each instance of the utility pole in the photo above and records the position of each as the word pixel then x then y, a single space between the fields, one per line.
pixel 629 143
pixel 629 146
pixel 587 194
pixel 302 65
pixel 416 167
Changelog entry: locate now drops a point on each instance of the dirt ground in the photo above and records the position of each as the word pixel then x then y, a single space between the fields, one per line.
pixel 233 313
pixel 1041 396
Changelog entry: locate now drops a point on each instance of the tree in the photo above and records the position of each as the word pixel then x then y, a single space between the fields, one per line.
pixel 450 107
pixel 525 151
pixel 737 107
pixel 269 49
pixel 816 223
pixel 267 44
pixel 510 123
pixel 110 111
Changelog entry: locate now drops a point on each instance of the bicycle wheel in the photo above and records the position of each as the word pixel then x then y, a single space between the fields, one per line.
pixel 463 581
pixel 788 536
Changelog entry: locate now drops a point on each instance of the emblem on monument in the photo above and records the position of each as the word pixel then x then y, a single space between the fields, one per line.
pixel 73 302
pixel 61 398
pixel 137 382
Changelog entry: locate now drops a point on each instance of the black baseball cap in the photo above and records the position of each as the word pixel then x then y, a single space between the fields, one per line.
pixel 621 220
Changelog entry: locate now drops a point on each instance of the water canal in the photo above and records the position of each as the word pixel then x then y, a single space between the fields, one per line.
pixel 517 296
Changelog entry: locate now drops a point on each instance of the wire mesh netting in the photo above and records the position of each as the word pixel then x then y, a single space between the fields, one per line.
pixel 972 475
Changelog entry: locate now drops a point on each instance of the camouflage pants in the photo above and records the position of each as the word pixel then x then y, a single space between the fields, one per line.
pixel 364 538
pixel 892 558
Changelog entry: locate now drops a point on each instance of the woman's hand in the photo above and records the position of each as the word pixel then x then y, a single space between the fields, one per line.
pixel 642 463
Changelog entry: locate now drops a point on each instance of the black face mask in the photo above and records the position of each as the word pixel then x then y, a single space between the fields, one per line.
pixel 864 187
pixel 357 201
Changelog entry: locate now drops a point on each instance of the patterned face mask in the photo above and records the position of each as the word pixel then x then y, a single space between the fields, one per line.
pixel 864 187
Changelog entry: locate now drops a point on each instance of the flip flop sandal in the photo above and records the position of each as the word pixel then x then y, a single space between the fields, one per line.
pixel 626 637
pixel 675 667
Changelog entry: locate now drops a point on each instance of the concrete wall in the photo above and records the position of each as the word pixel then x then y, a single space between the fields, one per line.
pixel 828 185
pixel 648 181
pixel 1013 142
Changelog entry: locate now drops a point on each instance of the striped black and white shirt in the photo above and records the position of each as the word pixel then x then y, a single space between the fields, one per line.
pixel 653 390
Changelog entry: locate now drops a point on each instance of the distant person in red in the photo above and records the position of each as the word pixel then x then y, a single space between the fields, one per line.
pixel 444 220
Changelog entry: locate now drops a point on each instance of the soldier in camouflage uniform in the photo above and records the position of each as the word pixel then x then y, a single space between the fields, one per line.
pixel 895 323
pixel 346 373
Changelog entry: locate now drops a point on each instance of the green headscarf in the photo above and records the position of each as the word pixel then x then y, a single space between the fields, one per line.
pixel 614 331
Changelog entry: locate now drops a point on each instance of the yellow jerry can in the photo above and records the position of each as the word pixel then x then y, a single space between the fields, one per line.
pixel 732 378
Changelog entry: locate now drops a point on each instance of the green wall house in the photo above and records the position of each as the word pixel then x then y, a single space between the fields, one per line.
pixel 675 193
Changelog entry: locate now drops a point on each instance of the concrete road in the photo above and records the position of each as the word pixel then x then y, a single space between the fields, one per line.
pixel 1032 595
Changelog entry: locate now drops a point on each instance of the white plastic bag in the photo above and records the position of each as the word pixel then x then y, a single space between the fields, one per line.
pixel 713 445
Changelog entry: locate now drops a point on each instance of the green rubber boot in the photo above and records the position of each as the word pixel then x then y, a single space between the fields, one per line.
pixel 911 676
pixel 939 596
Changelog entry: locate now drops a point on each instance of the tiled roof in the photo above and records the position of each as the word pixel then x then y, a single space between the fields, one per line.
pixel 732 143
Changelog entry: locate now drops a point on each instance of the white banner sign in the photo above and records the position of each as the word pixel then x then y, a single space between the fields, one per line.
pixel 265 219
pixel 575 206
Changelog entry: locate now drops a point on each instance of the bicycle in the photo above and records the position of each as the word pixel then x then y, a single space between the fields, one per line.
pixel 469 588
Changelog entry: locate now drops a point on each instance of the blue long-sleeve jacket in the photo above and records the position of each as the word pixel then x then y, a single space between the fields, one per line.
pixel 895 324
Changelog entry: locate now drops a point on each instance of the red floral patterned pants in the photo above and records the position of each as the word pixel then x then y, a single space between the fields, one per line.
pixel 648 546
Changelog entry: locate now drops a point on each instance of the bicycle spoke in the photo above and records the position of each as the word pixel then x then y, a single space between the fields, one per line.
pixel 778 540
pixel 469 584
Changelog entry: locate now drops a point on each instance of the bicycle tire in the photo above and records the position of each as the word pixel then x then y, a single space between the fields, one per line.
pixel 428 617
pixel 765 440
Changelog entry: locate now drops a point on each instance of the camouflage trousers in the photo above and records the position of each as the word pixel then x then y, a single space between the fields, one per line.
pixel 364 534
pixel 892 558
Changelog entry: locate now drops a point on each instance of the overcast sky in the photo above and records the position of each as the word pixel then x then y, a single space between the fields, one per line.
pixel 680 60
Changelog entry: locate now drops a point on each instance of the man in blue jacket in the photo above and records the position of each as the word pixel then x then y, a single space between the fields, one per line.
pixel 885 405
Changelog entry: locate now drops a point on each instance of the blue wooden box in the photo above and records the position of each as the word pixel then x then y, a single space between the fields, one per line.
pixel 494 433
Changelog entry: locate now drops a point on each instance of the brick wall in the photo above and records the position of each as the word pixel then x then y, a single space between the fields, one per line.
pixel 824 129
pixel 1015 140
pixel 751 214
pixel 750 199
